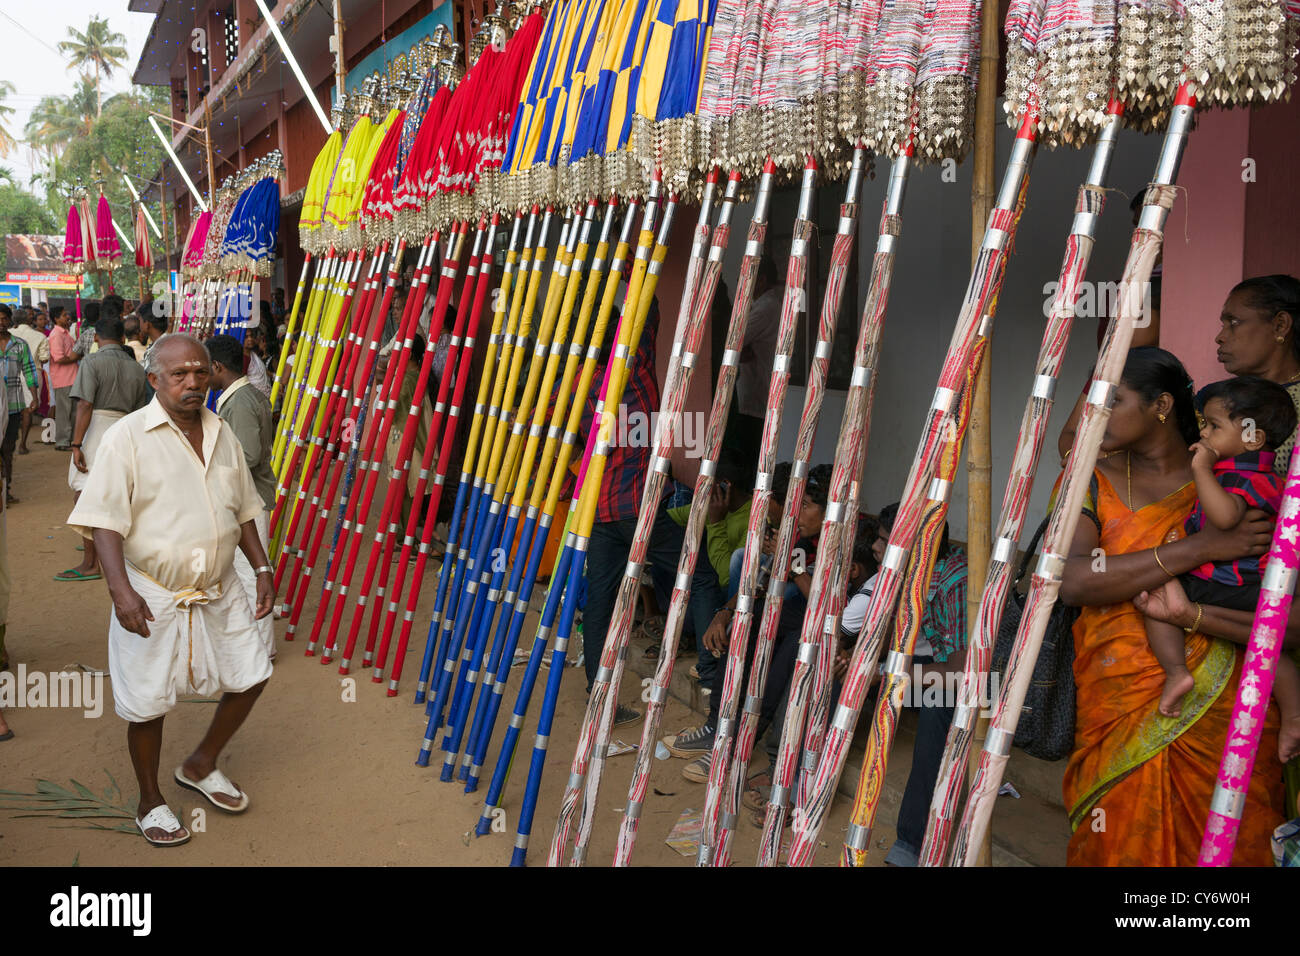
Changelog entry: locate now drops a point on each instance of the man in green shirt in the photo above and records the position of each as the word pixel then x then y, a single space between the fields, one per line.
pixel 248 413
pixel 727 522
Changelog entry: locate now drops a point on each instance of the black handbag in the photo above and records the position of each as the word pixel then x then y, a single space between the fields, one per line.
pixel 1046 726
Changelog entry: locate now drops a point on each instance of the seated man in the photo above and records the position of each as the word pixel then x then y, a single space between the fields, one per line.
pixel 940 649
pixel 697 742
pixel 727 523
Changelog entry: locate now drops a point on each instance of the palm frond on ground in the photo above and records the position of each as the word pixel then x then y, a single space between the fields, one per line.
pixel 50 800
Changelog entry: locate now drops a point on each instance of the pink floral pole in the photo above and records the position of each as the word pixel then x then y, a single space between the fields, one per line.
pixel 1256 679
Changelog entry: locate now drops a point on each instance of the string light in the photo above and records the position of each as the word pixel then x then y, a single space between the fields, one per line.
pixel 172 153
pixel 125 240
pixel 136 196
pixel 293 65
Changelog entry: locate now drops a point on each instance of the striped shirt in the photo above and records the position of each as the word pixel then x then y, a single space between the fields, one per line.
pixel 629 454
pixel 1251 476
pixel 943 626
pixel 19 367
pixel 944 622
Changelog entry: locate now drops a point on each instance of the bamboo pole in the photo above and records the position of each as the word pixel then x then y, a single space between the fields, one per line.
pixel 979 468
pixel 500 345
pixel 650 254
pixel 537 389
pixel 373 459
pixel 911 608
pixel 1046 584
pixel 431 447
pixel 529 473
pixel 345 449
pixel 474 305
pixel 469 520
pixel 850 448
pixel 397 362
pixel 559 575
pixel 390 510
pixel 486 510
pixel 556 454
pixel 1255 685
pixel 845 237
pixel 1024 462
pixel 903 535
pixel 359 334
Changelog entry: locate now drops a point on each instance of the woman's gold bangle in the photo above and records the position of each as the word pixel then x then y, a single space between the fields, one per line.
pixel 1200 612
pixel 1156 554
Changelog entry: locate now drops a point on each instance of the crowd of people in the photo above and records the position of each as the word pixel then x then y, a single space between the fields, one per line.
pixel 1188 488
pixel 1183 505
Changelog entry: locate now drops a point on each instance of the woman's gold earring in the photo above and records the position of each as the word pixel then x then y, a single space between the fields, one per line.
pixel 1161 416
pixel 1281 338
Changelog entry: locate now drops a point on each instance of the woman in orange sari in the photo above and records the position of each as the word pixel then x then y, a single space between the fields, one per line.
pixel 1138 784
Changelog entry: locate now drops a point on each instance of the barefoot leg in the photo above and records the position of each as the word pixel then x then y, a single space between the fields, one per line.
pixel 144 741
pixel 231 714
pixel 1286 690
pixel 1169 647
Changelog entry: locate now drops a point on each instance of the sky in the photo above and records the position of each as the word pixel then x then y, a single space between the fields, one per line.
pixel 31 60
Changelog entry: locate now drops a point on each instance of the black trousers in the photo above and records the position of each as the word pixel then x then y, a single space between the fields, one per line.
pixel 607 553
pixel 7 446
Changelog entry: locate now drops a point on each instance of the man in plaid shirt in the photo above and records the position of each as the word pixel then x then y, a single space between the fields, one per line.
pixel 940 651
pixel 618 505
pixel 19 370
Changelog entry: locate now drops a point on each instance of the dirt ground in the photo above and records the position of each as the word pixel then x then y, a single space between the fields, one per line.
pixel 332 781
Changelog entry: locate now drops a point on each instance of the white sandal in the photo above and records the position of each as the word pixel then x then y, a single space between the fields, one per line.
pixel 162 818
pixel 214 783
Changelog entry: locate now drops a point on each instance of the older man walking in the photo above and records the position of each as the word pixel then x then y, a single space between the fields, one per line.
pixel 109 384
pixel 247 411
pixel 168 501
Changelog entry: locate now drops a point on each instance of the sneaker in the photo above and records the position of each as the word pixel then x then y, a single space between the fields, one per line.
pixel 697 771
pixel 900 854
pixel 625 715
pixel 691 742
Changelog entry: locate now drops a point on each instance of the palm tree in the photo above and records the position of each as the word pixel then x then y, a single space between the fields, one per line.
pixel 57 120
pixel 7 141
pixel 99 46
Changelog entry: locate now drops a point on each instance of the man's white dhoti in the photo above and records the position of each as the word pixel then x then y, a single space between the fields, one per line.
pixel 244 570
pixel 100 422
pixel 201 642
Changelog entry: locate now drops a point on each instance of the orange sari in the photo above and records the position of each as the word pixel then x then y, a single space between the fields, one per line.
pixel 1138 785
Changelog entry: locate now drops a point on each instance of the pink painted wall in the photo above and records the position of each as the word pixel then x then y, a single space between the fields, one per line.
pixel 1204 239
pixel 1273 200
pixel 1222 229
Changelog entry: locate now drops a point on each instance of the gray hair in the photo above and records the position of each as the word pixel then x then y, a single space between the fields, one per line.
pixel 152 365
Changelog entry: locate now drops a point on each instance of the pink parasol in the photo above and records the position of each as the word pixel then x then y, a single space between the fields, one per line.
pixel 108 253
pixel 143 254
